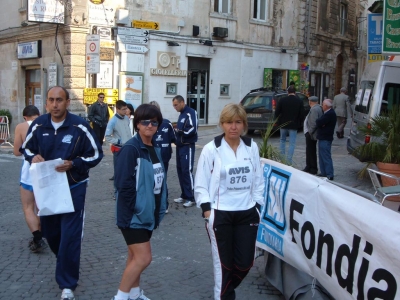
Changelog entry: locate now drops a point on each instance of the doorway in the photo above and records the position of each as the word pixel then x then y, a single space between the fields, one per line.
pixel 33 91
pixel 197 87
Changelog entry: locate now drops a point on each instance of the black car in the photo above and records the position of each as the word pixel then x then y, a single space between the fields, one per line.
pixel 260 105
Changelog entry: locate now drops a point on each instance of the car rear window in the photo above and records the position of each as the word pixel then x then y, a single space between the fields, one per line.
pixel 364 96
pixel 257 101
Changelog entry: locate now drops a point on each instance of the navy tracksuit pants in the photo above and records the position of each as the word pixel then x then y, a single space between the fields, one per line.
pixel 184 167
pixel 64 233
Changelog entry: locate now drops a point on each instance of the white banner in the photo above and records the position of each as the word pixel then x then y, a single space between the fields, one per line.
pixel 348 243
pixel 48 11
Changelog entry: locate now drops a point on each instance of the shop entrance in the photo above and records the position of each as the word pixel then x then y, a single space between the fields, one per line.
pixel 33 91
pixel 197 87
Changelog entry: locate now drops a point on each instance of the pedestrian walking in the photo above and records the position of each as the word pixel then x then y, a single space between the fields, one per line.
pixel 310 132
pixel 130 112
pixel 326 128
pixel 342 107
pixel 165 136
pixel 99 116
pixel 289 113
pixel 141 200
pixel 60 134
pixel 228 184
pixel 36 244
pixel 186 137
pixel 118 131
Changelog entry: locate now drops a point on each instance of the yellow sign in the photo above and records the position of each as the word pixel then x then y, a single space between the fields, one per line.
pixel 96 91
pixel 107 44
pixel 377 57
pixel 93 99
pixel 145 24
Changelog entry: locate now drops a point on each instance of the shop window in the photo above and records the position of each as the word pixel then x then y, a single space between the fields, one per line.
pixel 33 91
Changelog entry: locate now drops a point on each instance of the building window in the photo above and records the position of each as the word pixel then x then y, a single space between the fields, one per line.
pixel 260 10
pixel 343 18
pixel 222 6
pixel 172 88
pixel 224 90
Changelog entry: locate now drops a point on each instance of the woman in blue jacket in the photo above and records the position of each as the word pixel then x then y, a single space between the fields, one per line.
pixel 141 199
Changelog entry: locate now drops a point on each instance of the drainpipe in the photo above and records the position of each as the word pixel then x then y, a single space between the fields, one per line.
pixel 308 28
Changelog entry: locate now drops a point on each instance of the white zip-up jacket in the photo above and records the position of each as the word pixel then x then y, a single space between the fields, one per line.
pixel 207 180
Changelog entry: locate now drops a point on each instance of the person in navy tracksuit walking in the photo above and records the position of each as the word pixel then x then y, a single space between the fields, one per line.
pixel 186 137
pixel 60 134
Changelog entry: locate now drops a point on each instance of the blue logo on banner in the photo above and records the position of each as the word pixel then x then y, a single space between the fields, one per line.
pixel 276 185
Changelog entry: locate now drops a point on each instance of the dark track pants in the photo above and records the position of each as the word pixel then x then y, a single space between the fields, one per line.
pixel 233 241
pixel 184 167
pixel 99 132
pixel 64 233
pixel 311 154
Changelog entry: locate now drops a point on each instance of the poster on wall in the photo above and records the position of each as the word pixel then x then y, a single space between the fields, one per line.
pixel 104 78
pixel 46 11
pixel 38 102
pixel 131 88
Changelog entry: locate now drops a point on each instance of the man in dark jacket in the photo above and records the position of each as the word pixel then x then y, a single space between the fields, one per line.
pixel 289 111
pixel 60 134
pixel 326 127
pixel 99 115
pixel 186 137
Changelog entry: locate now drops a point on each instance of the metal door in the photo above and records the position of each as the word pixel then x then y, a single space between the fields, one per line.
pixel 197 93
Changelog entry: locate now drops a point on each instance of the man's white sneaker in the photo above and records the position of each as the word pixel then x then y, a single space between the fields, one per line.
pixel 67 294
pixel 179 200
pixel 188 203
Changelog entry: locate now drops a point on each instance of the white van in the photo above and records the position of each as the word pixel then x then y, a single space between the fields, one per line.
pixel 379 92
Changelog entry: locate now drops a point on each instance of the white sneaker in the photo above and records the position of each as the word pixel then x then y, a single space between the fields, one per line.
pixel 166 211
pixel 67 294
pixel 188 203
pixel 141 297
pixel 179 200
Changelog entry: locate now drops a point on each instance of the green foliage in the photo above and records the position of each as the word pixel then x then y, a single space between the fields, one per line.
pixel 266 149
pixel 6 112
pixel 385 139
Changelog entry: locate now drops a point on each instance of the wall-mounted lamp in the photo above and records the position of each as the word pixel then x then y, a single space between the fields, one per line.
pixel 206 42
pixel 172 43
pixel 24 23
pixel 283 50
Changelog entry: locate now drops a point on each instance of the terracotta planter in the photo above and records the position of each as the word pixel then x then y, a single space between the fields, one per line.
pixel 393 169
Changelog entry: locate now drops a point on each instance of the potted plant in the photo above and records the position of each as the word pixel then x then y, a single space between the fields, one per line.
pixel 384 146
pixel 6 112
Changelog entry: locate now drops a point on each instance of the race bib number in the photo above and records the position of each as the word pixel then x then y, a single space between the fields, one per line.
pixel 238 176
pixel 158 177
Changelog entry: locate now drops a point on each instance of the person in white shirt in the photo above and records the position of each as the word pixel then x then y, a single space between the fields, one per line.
pixel 228 184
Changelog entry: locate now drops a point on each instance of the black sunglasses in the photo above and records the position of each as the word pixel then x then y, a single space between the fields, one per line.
pixel 148 122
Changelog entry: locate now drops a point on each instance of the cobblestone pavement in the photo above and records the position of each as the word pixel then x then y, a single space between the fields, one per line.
pixel 181 266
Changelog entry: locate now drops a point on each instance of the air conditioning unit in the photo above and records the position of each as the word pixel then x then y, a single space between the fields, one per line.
pixel 220 32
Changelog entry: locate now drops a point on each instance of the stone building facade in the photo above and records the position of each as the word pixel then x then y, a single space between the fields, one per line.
pixel 211 52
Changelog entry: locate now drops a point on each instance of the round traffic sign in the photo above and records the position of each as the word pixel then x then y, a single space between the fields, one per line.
pixel 92 47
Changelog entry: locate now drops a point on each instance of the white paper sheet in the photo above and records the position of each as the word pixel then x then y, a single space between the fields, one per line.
pixel 51 189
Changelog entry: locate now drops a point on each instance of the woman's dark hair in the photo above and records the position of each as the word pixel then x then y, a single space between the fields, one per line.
pixel 146 112
pixel 130 106
pixel 30 111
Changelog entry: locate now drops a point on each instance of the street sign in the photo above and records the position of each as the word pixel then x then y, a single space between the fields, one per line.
pixel 132 48
pixel 90 95
pixel 107 44
pixel 93 99
pixel 145 24
pixel 106 54
pixel 92 54
pixel 131 39
pixel 104 32
pixel 96 91
pixel 132 31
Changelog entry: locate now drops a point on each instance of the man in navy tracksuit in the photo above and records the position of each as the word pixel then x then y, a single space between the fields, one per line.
pixel 60 134
pixel 186 137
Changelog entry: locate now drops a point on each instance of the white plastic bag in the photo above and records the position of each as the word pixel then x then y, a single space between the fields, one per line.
pixel 51 189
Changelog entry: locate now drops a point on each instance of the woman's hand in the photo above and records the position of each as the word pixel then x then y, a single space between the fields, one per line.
pixel 207 214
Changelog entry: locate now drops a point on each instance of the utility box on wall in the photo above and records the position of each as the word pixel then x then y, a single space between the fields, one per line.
pixel 220 32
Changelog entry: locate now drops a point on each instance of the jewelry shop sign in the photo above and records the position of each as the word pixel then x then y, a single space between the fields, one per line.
pixel 168 64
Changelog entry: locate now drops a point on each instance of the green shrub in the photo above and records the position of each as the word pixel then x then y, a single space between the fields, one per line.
pixel 6 112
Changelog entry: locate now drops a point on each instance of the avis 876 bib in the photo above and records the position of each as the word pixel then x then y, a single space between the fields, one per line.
pixel 238 176
pixel 158 177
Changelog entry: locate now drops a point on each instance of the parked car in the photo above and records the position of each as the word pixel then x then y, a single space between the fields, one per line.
pixel 379 93
pixel 260 105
